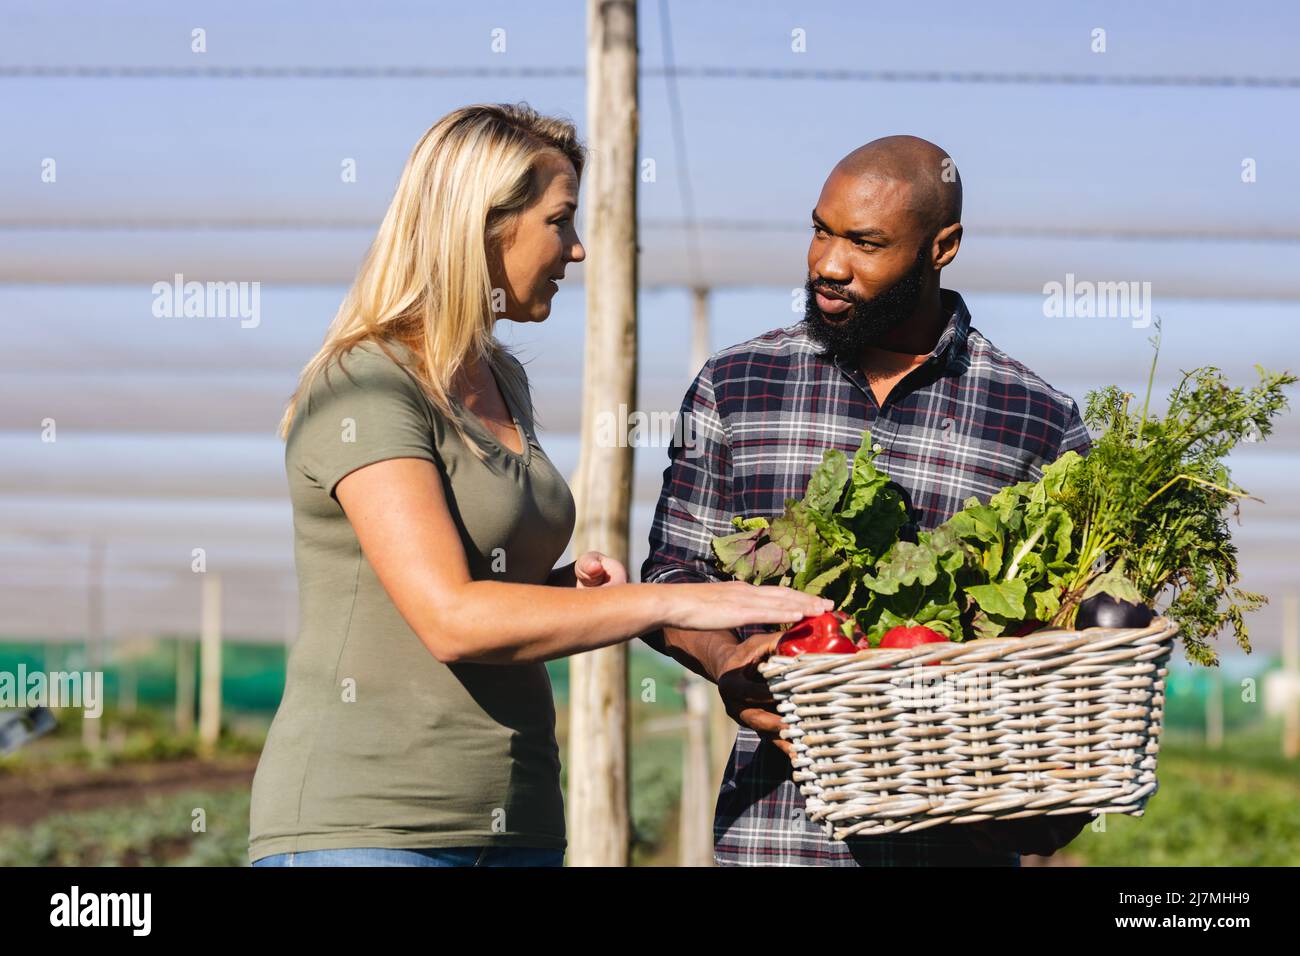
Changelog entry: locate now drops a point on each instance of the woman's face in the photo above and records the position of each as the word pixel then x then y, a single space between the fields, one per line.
pixel 533 254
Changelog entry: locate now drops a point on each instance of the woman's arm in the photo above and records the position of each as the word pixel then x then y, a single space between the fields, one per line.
pixel 399 513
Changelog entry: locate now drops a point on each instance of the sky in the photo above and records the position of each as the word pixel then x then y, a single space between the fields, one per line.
pixel 1122 165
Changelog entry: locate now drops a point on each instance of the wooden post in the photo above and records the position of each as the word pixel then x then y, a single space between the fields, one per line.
pixel 92 727
pixel 599 828
pixel 699 329
pixel 722 729
pixel 1291 667
pixel 701 771
pixel 184 686
pixel 696 823
pixel 210 665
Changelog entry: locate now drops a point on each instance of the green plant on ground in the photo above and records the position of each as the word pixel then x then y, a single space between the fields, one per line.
pixel 1238 805
pixel 154 832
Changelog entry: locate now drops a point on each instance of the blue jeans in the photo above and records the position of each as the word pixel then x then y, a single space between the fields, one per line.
pixel 450 856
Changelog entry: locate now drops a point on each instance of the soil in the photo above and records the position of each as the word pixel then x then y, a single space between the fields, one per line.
pixel 26 798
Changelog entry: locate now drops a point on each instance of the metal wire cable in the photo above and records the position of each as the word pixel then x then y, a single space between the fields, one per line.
pixel 669 70
pixel 679 144
pixel 1008 231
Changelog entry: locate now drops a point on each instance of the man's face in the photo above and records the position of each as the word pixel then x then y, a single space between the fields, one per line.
pixel 867 263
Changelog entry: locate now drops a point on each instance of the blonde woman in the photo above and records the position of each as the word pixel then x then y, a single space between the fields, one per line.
pixel 417 725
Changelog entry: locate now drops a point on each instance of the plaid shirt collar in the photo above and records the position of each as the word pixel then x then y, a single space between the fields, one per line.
pixel 949 352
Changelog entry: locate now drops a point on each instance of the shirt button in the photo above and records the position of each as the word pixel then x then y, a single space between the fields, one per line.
pixel 877 448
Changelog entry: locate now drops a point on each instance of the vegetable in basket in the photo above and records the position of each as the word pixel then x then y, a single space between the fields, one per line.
pixel 1153 501
pixel 827 543
pixel 1096 541
pixel 831 633
pixel 904 637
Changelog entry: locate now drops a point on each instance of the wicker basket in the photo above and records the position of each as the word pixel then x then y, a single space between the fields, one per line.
pixel 1058 722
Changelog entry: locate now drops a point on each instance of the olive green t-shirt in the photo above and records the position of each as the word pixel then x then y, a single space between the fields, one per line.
pixel 376 743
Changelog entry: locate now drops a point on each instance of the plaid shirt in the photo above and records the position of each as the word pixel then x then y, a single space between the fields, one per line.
pixel 969 421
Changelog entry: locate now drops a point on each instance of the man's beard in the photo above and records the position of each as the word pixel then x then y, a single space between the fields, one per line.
pixel 867 321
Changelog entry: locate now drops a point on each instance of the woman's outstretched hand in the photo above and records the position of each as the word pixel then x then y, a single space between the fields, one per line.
pixel 733 604
pixel 595 570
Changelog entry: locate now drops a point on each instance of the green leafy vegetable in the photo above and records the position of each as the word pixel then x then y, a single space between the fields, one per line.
pixel 825 543
pixel 1156 493
pixel 1144 515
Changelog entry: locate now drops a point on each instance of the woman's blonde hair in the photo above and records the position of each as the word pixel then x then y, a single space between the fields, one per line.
pixel 424 282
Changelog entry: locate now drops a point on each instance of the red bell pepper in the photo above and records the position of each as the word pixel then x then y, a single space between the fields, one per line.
pixel 904 637
pixel 822 634
pixel 911 636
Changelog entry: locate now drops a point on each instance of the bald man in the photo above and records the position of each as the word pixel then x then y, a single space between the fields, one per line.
pixel 882 347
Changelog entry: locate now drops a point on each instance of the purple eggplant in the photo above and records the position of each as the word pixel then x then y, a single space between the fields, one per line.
pixel 1105 610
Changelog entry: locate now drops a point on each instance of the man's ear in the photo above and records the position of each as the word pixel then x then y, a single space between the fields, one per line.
pixel 946 243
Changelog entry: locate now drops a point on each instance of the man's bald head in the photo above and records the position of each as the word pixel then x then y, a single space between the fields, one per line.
pixel 928 172
pixel 887 221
